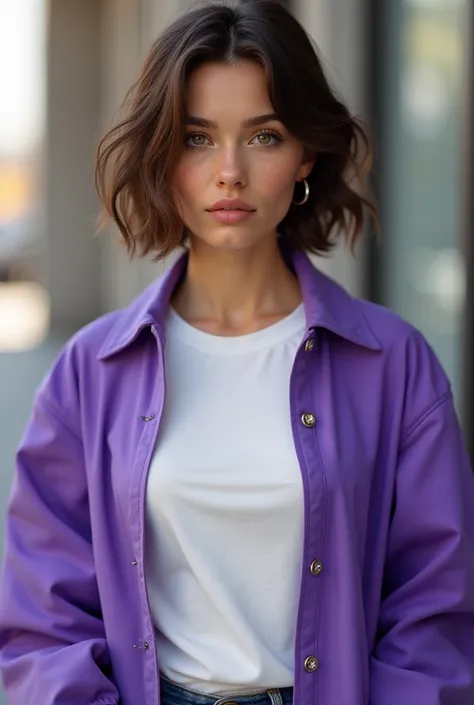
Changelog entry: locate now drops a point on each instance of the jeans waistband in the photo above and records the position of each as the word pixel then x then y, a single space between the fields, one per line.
pixel 175 694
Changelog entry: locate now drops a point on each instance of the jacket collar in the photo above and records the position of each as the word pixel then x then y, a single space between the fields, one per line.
pixel 327 305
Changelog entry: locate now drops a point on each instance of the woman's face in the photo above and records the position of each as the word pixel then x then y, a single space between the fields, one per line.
pixel 235 149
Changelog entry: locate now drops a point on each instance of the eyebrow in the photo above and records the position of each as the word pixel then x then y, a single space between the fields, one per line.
pixel 249 122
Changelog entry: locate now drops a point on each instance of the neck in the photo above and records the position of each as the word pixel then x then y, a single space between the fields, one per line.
pixel 238 290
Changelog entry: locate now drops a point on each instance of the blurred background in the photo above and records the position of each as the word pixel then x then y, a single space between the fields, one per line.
pixel 404 66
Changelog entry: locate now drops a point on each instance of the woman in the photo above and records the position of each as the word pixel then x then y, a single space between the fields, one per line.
pixel 290 521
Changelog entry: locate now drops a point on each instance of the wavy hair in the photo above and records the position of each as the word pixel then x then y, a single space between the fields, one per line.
pixel 137 158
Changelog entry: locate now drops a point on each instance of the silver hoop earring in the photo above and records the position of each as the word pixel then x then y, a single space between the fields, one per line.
pixel 306 195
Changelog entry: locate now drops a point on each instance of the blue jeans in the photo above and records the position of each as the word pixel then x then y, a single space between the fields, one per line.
pixel 174 694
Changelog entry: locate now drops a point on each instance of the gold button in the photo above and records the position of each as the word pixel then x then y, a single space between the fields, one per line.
pixel 309 345
pixel 311 664
pixel 316 568
pixel 308 420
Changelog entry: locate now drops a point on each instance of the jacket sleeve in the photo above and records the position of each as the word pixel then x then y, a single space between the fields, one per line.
pixel 425 648
pixel 53 646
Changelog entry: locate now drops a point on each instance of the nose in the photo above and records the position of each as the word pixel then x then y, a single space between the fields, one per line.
pixel 231 170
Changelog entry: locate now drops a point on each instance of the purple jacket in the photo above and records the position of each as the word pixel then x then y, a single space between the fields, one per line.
pixel 386 610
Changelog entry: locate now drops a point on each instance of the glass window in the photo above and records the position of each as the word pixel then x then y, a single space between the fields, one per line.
pixel 422 87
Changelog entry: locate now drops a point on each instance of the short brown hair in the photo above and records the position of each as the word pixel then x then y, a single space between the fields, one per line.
pixel 137 158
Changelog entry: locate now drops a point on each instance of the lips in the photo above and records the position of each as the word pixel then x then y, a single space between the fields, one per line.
pixel 230 217
pixel 231 204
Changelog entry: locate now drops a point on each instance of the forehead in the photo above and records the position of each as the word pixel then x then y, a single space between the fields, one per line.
pixel 236 89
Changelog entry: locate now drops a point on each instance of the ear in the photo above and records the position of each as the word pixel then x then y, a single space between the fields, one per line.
pixel 307 163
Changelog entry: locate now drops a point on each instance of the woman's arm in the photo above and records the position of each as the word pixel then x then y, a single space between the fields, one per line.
pixel 53 647
pixel 425 649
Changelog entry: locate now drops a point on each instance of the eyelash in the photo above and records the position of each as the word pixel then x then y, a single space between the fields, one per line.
pixel 272 133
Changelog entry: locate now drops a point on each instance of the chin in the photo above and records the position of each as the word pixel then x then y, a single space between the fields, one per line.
pixel 230 244
pixel 230 238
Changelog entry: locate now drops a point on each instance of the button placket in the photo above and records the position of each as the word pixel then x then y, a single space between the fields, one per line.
pixel 143 644
pixel 303 400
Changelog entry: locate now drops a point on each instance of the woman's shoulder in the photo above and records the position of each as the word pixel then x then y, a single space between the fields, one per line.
pixel 76 362
pixel 410 368
pixel 371 325
pixel 115 330
pixel 394 333
pixel 401 341
pixel 80 364
pixel 393 356
pixel 389 328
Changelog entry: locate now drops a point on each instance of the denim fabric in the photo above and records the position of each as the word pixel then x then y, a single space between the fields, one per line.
pixel 174 694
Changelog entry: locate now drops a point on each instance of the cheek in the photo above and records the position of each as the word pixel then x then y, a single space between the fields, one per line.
pixel 276 186
pixel 280 182
pixel 186 185
pixel 278 171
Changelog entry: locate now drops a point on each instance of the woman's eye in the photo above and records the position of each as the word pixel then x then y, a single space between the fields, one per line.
pixel 196 140
pixel 264 139
pixel 267 139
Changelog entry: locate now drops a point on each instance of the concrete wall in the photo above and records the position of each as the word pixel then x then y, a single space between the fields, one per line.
pixel 122 26
pixel 70 268
pixel 129 28
pixel 339 30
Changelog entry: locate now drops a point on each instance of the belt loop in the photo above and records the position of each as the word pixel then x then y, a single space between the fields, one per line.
pixel 275 696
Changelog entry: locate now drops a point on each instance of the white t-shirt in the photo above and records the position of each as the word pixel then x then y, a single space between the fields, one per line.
pixel 225 510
